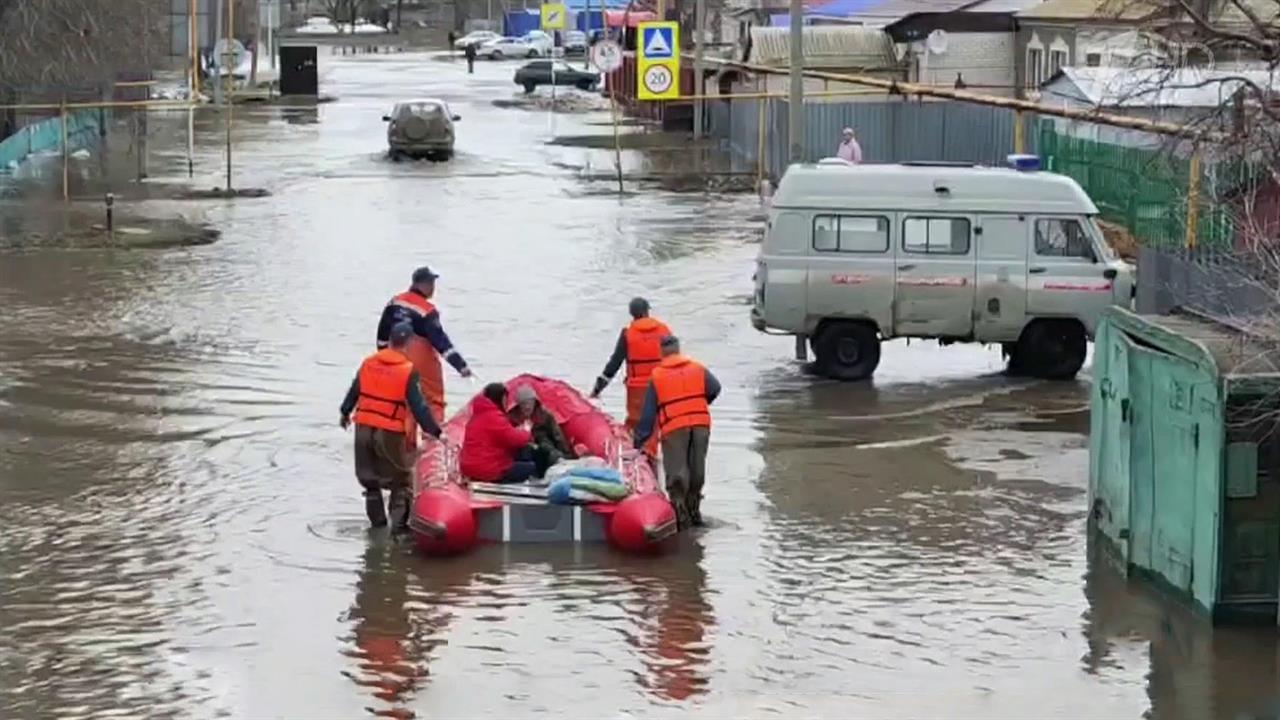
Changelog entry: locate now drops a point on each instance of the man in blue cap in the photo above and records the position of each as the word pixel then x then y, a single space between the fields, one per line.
pixel 384 401
pixel 430 342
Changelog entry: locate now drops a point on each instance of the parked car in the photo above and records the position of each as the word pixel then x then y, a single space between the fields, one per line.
pixel 421 128
pixel 539 72
pixel 545 44
pixel 509 47
pixel 575 42
pixel 857 254
pixel 477 38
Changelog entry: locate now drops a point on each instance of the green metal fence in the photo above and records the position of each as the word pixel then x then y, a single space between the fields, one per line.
pixel 1142 190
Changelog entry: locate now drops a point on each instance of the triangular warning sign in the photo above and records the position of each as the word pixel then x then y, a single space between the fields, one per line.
pixel 657 45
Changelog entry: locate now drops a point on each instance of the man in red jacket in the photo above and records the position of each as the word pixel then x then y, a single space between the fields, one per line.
pixel 492 449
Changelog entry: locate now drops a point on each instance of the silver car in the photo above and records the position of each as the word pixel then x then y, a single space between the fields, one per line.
pixel 421 128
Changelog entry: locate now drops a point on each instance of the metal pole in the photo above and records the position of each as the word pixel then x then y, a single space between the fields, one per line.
pixel 617 140
pixel 795 100
pixel 1193 199
pixel 66 176
pixel 586 56
pixel 193 50
pixel 216 21
pixel 699 22
pixel 191 141
pixel 228 56
pixel 1019 142
pixel 272 9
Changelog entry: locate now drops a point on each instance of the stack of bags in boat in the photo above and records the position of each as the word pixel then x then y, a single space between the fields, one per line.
pixel 586 480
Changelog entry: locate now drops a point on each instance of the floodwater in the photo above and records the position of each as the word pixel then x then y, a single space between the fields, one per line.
pixel 181 534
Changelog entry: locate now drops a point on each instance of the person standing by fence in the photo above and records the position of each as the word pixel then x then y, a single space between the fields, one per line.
pixel 849 149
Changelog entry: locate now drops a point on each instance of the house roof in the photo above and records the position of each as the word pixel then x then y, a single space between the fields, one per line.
pixel 918 26
pixel 825 46
pixel 1123 10
pixel 888 11
pixel 1117 87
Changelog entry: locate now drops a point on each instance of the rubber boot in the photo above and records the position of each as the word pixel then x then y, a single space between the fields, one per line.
pixel 695 510
pixel 373 508
pixel 398 509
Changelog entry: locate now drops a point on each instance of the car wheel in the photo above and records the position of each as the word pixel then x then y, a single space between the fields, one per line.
pixel 1051 349
pixel 532 54
pixel 529 88
pixel 395 155
pixel 495 55
pixel 847 351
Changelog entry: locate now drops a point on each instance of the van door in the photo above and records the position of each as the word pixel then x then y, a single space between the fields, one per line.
pixel 935 276
pixel 1064 275
pixel 851 267
pixel 1000 300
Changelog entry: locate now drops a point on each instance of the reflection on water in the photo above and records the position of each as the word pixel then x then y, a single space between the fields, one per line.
pixel 182 535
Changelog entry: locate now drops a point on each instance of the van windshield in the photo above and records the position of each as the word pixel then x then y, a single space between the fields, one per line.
pixel 1105 251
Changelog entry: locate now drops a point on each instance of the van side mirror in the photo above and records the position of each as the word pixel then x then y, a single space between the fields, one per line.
pixel 386 118
pixel 456 118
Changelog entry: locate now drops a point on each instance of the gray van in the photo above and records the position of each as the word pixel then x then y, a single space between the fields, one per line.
pixel 854 255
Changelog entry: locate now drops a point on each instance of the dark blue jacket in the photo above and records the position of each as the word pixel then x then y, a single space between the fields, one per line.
pixel 426 326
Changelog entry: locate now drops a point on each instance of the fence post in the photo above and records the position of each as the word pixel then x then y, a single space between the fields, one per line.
pixel 66 175
pixel 760 123
pixel 1193 198
pixel 1019 142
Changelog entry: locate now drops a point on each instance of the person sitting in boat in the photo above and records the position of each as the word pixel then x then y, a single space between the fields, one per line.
pixel 492 449
pixel 549 443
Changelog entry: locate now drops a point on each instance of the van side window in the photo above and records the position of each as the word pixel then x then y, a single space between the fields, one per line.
pixel 850 233
pixel 1063 238
pixel 936 235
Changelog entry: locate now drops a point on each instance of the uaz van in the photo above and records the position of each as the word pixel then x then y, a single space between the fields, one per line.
pixel 854 255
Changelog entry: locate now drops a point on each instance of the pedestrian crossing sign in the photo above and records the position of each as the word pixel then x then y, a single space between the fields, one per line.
pixel 658 40
pixel 553 16
pixel 658 61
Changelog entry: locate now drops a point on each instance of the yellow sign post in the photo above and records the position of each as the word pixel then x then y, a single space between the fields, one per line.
pixel 553 16
pixel 658 61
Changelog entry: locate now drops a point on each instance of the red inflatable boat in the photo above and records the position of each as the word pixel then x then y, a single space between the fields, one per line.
pixel 451 514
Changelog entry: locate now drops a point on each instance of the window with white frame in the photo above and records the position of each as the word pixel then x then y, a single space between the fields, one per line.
pixel 1035 68
pixel 1057 58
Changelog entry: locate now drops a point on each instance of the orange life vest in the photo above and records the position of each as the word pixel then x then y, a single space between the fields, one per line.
pixel 425 359
pixel 382 403
pixel 681 386
pixel 644 337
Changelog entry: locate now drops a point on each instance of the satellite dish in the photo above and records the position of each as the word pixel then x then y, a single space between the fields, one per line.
pixel 937 42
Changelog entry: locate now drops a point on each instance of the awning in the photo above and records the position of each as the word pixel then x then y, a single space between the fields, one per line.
pixel 619 18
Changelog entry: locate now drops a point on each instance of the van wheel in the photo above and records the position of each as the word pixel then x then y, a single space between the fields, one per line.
pixel 1050 349
pixel 847 351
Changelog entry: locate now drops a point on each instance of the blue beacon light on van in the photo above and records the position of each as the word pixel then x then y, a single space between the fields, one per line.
pixel 1024 163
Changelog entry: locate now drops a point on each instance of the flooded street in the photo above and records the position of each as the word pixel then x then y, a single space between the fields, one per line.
pixel 182 534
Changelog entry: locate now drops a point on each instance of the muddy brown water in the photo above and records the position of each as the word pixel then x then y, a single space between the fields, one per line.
pixel 181 536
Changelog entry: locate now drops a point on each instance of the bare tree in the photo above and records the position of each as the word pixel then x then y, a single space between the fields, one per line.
pixel 70 44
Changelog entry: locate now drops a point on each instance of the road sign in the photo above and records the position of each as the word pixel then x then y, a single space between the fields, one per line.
pixel 658 61
pixel 553 16
pixel 606 55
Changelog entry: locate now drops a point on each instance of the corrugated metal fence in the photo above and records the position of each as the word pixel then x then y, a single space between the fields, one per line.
pixel 888 131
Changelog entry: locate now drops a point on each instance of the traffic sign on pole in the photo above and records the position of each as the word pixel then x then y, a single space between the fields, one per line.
pixel 606 55
pixel 553 16
pixel 658 61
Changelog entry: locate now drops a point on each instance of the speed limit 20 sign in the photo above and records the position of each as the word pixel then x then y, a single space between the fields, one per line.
pixel 658 61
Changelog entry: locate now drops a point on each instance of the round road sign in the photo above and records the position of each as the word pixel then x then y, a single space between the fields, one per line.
pixel 657 79
pixel 606 55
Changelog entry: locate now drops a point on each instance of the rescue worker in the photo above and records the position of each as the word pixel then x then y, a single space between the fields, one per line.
pixel 430 340
pixel 678 402
pixel 638 347
pixel 386 398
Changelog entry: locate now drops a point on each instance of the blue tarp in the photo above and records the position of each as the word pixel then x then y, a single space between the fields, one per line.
pixel 834 8
pixel 593 20
pixel 83 130
pixel 520 22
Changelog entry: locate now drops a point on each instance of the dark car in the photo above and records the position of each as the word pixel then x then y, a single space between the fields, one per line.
pixel 539 72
